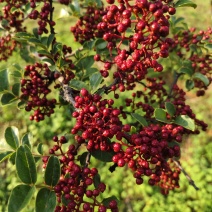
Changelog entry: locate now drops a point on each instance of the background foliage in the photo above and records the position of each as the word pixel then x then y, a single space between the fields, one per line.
pixel 196 153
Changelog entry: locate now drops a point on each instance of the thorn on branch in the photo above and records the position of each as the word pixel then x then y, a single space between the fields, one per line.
pixel 191 182
pixel 67 93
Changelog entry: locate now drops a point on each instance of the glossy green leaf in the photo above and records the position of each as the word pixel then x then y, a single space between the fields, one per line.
pixel 44 53
pixel 8 98
pixel 5 155
pixel 23 34
pixel 101 44
pixel 16 89
pixel 27 139
pixel 52 172
pixel 187 71
pixel 185 3
pixel 47 60
pixel 160 115
pixel 20 197
pixel 4 80
pixel 45 200
pixel 95 80
pixel 96 180
pixel 40 148
pixel 106 201
pixel 50 39
pixel 12 158
pixel 16 74
pixel 21 105
pixel 103 156
pixel 186 122
pixel 208 46
pixel 35 32
pixel 37 42
pixel 170 108
pixel 85 62
pixel 202 78
pixel 82 158
pixel 189 84
pixel 25 165
pixel 89 72
pixel 44 40
pixel 78 85
pixel 11 136
pixel 140 119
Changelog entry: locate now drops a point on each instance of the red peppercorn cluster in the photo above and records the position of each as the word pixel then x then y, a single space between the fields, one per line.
pixel 13 20
pixel 96 121
pixel 43 16
pixel 169 178
pixel 76 189
pixel 191 42
pixel 86 27
pixel 35 88
pixel 7 45
pixel 140 48
pixel 12 23
pixel 147 152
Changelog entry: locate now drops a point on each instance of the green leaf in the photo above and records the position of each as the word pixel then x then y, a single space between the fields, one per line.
pixel 96 180
pixel 208 46
pixel 4 85
pixel 186 122
pixel 35 32
pixel 16 89
pixel 21 105
pixel 12 158
pixel 189 84
pixel 48 60
pixel 85 62
pixel 160 115
pixel 82 158
pixel 20 197
pixel 52 172
pixel 45 200
pixel 23 34
pixel 8 98
pixel 102 155
pixel 132 130
pixel 44 40
pixel 37 42
pixel 89 72
pixel 5 155
pixel 140 119
pixel 202 78
pixel 89 45
pixel 185 3
pixel 40 148
pixel 100 44
pixel 11 135
pixel 187 71
pixel 50 40
pixel 170 108
pixel 27 139
pixel 16 74
pixel 25 165
pixel 78 85
pixel 44 52
pixel 107 201
pixel 95 81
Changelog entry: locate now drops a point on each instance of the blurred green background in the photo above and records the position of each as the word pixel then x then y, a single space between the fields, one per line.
pixel 196 151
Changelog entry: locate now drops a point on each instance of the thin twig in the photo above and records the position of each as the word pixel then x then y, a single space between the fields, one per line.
pixel 176 77
pixel 87 160
pixel 191 182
